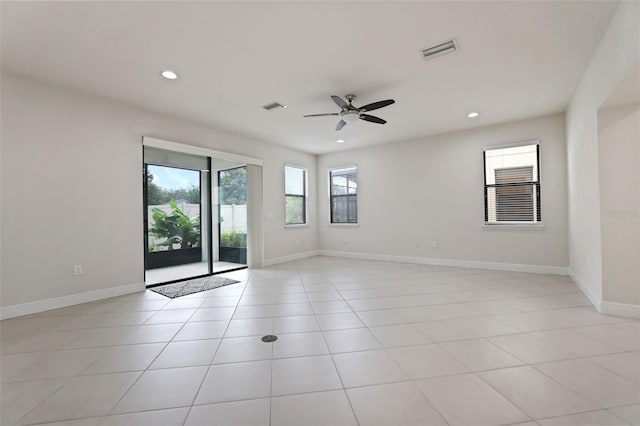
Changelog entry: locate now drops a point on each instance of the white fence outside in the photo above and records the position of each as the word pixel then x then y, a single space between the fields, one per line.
pixel 233 217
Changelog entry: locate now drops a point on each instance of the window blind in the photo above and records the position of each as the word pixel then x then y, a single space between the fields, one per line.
pixel 163 157
pixel 512 185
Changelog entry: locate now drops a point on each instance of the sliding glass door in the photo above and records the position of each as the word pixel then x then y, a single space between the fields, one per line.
pixel 195 211
pixel 232 213
pixel 177 216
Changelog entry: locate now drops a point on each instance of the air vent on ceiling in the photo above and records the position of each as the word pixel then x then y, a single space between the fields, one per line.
pixel 439 50
pixel 273 105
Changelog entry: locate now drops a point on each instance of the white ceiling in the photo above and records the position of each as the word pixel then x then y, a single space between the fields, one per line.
pixel 516 60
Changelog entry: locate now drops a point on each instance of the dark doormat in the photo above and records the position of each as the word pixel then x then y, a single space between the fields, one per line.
pixel 196 285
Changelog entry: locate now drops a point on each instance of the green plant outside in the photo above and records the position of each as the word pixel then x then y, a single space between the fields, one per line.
pixel 233 239
pixel 175 227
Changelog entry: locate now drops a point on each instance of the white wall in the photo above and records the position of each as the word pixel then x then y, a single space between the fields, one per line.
pixel 83 156
pixel 619 146
pixel 617 52
pixel 433 187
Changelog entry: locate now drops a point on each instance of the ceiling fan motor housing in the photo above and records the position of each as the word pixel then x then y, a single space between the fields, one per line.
pixel 350 115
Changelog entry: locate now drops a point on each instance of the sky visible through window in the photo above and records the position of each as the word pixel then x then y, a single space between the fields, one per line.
pixel 172 178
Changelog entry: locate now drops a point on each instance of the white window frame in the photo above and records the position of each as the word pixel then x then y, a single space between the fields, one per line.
pixel 334 169
pixel 305 171
pixel 512 224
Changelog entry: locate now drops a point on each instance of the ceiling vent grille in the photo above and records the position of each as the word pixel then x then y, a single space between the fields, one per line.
pixel 273 105
pixel 439 50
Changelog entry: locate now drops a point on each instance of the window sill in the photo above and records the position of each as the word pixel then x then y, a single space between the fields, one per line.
pixel 531 226
pixel 343 225
pixel 296 226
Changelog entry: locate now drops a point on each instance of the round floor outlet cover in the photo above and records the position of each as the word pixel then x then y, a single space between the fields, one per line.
pixel 269 338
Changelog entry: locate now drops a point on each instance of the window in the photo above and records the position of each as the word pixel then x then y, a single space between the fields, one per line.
pixel 295 194
pixel 343 195
pixel 512 185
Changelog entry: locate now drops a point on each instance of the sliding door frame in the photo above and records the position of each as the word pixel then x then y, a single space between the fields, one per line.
pixel 253 259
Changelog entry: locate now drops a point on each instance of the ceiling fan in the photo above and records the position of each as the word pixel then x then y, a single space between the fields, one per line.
pixel 350 113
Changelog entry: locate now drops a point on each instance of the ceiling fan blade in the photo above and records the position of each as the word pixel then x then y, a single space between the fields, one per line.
pixel 372 118
pixel 376 105
pixel 321 115
pixel 341 124
pixel 339 101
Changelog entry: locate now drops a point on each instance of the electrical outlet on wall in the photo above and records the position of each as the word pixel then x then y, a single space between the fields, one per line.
pixel 434 244
pixel 77 269
pixel 414 244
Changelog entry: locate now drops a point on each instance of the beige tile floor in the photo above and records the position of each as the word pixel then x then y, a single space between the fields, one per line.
pixel 360 343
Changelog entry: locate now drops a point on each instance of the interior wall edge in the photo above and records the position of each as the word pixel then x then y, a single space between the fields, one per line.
pixel 595 300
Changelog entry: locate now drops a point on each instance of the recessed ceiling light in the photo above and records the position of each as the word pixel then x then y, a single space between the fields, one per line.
pixel 473 115
pixel 340 141
pixel 170 75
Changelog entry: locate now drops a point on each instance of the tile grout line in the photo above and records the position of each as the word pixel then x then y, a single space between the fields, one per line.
pixel 536 367
pixel 608 410
pixel 204 377
pixel 110 411
pixel 455 319
pixel 21 419
pixel 333 361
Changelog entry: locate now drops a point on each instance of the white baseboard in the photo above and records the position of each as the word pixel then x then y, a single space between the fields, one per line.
pixel 621 309
pixel 513 267
pixel 604 307
pixel 291 257
pixel 64 301
pixel 609 308
pixel 595 300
